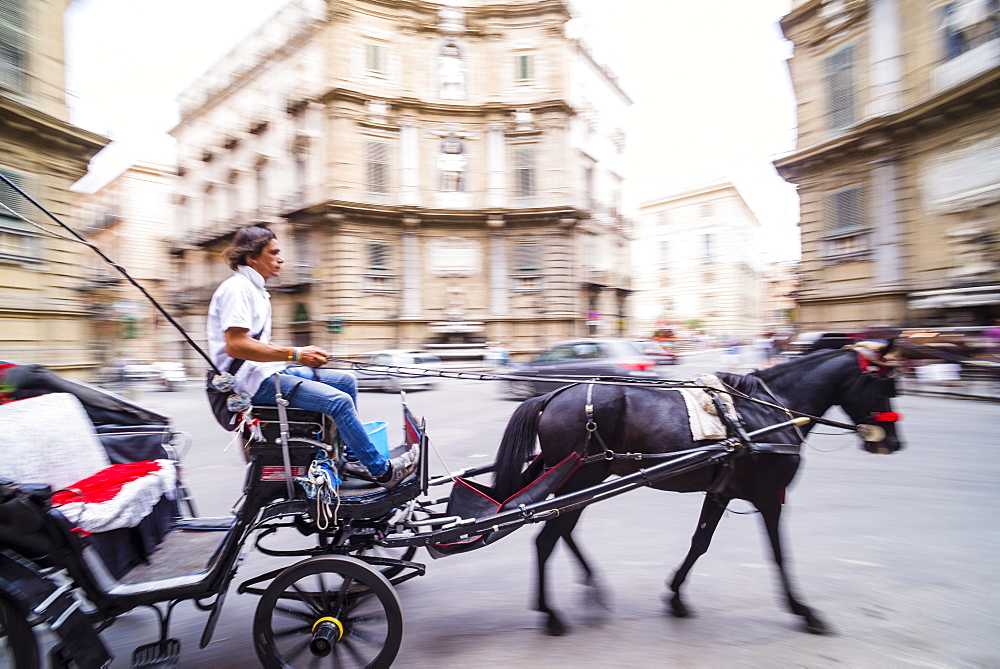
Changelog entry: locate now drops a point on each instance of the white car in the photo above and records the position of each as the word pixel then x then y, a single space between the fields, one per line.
pixel 392 381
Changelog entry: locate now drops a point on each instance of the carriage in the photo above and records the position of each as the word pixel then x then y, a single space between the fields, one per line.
pixel 65 583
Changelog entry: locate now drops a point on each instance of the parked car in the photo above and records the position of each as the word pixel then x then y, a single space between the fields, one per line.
pixel 171 375
pixel 374 379
pixel 133 371
pixel 585 358
pixel 662 353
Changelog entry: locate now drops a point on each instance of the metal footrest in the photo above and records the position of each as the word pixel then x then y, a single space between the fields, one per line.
pixel 163 653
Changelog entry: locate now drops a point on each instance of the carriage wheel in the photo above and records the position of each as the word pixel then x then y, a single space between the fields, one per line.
pixel 407 553
pixel 328 611
pixel 18 648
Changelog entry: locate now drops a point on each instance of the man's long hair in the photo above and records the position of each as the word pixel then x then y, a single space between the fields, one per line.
pixel 248 242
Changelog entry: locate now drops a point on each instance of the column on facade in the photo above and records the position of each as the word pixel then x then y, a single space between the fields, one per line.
pixel 498 268
pixel 887 65
pixel 411 299
pixel 885 212
pixel 496 156
pixel 409 178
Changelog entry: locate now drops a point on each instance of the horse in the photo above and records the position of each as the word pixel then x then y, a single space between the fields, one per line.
pixel 653 420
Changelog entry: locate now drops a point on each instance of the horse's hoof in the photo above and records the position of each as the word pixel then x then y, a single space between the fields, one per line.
pixel 677 607
pixel 554 627
pixel 814 624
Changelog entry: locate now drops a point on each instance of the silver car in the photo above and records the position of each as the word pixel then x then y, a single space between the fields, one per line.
pixel 392 381
pixel 583 358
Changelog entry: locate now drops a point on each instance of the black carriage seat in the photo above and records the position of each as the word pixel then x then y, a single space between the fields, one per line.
pixel 305 424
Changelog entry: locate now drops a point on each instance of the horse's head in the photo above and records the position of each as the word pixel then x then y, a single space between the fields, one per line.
pixel 867 397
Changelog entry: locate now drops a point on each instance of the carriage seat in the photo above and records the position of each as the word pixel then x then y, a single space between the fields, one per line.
pixel 301 423
pixel 50 439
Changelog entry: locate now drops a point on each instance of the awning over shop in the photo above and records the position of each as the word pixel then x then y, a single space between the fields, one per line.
pixel 952 298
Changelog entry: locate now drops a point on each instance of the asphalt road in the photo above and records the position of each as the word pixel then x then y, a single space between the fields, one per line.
pixel 898 553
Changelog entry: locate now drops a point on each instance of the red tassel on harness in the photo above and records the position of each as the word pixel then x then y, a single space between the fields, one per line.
pixel 887 417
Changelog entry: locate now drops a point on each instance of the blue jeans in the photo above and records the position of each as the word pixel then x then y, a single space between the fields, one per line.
pixel 336 395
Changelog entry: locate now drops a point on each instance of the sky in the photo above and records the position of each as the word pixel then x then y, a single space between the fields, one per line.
pixel 712 96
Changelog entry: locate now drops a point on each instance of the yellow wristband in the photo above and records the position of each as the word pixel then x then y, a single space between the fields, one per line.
pixel 292 355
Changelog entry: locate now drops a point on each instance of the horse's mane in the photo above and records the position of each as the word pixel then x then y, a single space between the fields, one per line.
pixel 754 381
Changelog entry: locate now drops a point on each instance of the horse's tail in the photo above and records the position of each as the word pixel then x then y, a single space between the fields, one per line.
pixel 517 443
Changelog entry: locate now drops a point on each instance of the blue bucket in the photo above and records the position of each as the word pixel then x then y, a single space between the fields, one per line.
pixel 378 436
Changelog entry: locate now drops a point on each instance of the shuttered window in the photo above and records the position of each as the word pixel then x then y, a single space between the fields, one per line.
pixel 379 256
pixel 378 167
pixel 375 58
pixel 845 210
pixel 840 88
pixel 524 171
pixel 524 67
pixel 663 253
pixel 13 46
pixel 17 238
pixel 527 258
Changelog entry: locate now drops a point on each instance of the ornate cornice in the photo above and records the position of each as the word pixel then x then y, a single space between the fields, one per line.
pixel 877 134
pixel 16 117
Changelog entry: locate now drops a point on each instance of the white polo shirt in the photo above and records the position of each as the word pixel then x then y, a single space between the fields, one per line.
pixel 241 301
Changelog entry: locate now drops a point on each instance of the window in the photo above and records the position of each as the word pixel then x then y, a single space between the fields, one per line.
pixel 840 88
pixel 375 58
pixel 845 210
pixel 707 249
pixel 524 67
pixel 966 24
pixel 706 211
pixel 379 255
pixel 524 171
pixel 846 226
pixel 379 277
pixel 527 258
pixel 17 239
pixel 663 254
pixel 378 168
pixel 13 46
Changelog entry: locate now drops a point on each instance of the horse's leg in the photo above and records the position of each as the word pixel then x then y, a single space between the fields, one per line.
pixel 711 513
pixel 770 513
pixel 545 543
pixel 596 593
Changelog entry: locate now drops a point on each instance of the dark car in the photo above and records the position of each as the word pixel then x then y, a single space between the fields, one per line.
pixel 663 354
pixel 584 358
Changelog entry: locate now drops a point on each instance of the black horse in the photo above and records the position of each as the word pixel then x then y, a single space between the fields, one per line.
pixel 647 419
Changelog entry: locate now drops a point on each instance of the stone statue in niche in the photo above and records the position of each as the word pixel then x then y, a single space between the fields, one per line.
pixel 451 73
pixel 451 163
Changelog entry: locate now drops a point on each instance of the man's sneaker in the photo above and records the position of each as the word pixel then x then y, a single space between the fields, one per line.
pixel 357 470
pixel 400 467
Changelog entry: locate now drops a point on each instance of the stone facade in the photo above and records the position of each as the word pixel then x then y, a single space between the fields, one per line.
pixel 436 174
pixel 897 162
pixel 43 318
pixel 130 220
pixel 698 261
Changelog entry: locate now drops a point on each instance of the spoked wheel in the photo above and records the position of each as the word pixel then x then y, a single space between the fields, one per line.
pixel 18 648
pixel 328 612
pixel 406 553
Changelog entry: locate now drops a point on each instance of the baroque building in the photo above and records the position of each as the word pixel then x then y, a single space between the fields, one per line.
pixel 697 266
pixel 897 161
pixel 43 316
pixel 436 174
pixel 129 220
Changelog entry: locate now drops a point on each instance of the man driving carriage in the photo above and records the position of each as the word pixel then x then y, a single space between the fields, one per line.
pixel 239 328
